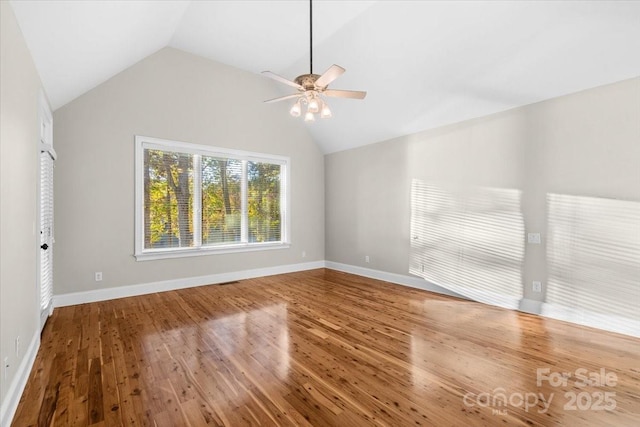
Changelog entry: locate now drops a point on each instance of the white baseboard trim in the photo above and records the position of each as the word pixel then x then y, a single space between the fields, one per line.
pixel 594 320
pixel 14 392
pixel 170 285
pixel 580 317
pixel 607 322
pixel 530 306
pixel 399 279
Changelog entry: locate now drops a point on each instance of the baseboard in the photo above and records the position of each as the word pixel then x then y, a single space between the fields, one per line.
pixel 530 306
pixel 607 322
pixel 399 279
pixel 14 392
pixel 105 294
pixel 594 320
pixel 580 317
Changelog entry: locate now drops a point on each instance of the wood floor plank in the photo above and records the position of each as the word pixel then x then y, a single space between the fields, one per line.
pixel 320 348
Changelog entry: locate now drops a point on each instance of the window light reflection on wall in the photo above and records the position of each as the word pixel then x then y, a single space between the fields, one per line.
pixel 469 240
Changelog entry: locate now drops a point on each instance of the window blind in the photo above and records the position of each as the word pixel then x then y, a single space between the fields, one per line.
pixel 263 198
pixel 222 200
pixel 46 230
pixel 191 199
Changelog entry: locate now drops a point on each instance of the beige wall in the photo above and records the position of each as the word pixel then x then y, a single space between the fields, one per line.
pixel 584 144
pixel 178 96
pixel 20 86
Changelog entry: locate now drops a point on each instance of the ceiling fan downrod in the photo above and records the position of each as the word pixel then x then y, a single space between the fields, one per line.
pixel 310 36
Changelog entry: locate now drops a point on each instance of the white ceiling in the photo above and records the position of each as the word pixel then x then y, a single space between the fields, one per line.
pixel 423 63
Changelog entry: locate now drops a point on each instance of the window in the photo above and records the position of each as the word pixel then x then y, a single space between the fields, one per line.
pixel 198 200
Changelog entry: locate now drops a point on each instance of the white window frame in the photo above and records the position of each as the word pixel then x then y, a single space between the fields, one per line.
pixel 145 142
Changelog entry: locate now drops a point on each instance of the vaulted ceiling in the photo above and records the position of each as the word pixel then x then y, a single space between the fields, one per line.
pixel 423 63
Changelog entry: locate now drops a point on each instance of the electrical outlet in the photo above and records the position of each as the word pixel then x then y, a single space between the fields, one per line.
pixel 366 258
pixel 304 254
pixel 533 238
pixel 18 346
pixel 537 286
pixel 98 276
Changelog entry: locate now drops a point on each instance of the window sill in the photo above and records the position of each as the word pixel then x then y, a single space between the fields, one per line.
pixel 191 252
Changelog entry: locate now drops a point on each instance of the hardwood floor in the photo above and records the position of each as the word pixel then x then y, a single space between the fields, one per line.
pixel 323 348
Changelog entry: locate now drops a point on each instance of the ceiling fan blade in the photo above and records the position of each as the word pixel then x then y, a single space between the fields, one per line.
pixel 330 75
pixel 353 94
pixel 281 79
pixel 282 98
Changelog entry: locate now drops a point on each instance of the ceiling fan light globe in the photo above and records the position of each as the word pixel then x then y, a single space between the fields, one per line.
pixel 295 110
pixel 325 113
pixel 309 117
pixel 314 106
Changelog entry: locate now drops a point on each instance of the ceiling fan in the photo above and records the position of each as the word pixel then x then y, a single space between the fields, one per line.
pixel 312 88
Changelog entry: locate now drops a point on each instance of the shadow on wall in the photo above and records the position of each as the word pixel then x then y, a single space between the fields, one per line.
pixel 472 241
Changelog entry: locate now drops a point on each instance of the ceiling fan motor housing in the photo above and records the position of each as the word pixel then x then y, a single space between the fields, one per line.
pixel 308 81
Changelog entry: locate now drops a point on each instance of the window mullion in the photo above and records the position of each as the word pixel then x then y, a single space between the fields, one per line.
pixel 197 200
pixel 244 221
